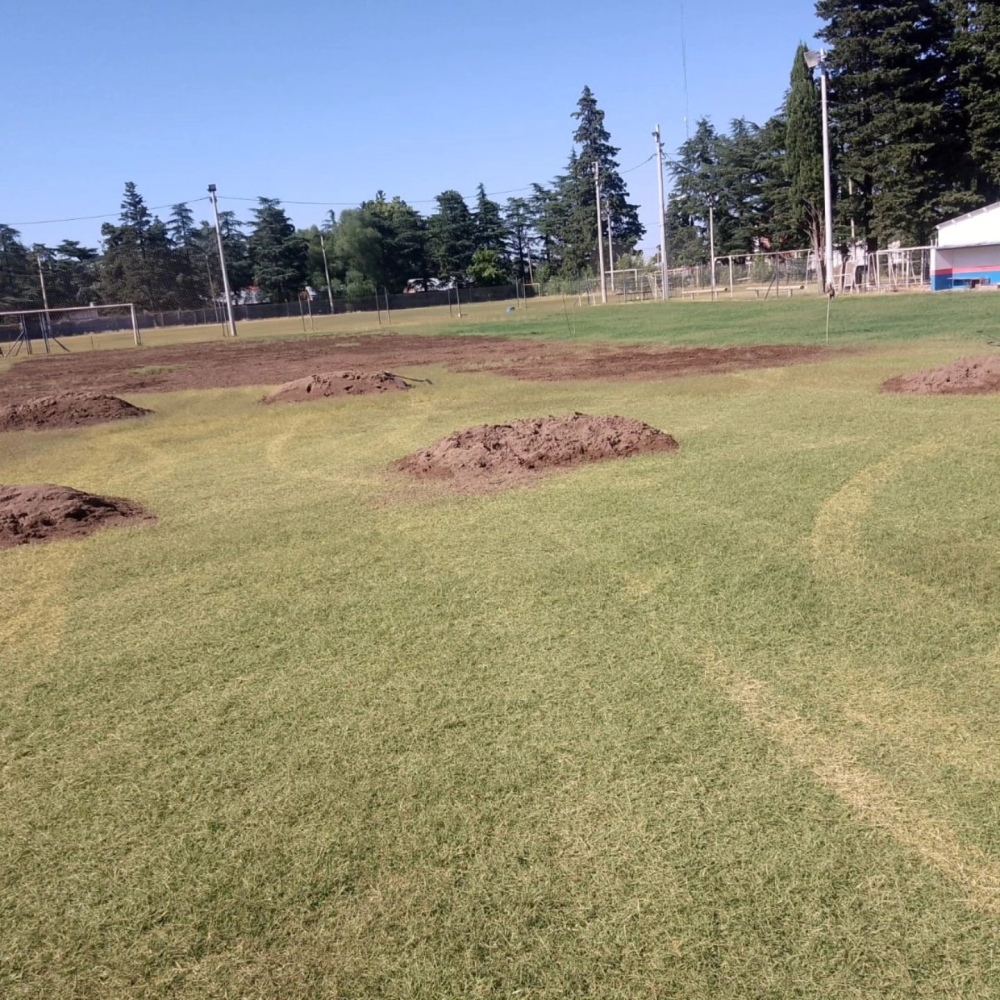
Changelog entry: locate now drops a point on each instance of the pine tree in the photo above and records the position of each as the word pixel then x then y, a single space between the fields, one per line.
pixel 451 234
pixel 889 103
pixel 520 222
pixel 697 186
pixel 491 232
pixel 578 192
pixel 137 265
pixel 18 277
pixel 278 253
pixel 976 65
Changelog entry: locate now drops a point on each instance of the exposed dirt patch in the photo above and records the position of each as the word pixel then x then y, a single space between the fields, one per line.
pixel 493 456
pixel 227 364
pixel 67 409
pixel 343 383
pixel 42 512
pixel 966 376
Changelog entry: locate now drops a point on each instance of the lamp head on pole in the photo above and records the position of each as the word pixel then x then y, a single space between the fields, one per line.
pixel 211 189
pixel 816 59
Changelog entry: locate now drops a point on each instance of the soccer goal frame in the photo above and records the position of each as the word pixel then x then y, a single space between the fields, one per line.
pixel 24 334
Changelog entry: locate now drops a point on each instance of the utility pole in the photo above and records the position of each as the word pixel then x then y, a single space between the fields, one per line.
pixel 711 241
pixel 611 252
pixel 231 322
pixel 47 323
pixel 600 235
pixel 326 269
pixel 817 60
pixel 663 216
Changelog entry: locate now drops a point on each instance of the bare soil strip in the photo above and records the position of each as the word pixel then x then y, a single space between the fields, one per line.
pixel 222 365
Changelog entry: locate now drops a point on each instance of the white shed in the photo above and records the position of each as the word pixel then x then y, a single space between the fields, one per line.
pixel 967 254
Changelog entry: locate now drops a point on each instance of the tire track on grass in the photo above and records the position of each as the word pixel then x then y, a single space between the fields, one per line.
pixel 869 796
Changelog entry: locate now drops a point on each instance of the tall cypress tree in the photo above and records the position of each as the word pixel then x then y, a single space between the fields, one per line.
pixel 804 154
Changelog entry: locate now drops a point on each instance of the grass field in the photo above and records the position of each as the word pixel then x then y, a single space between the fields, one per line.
pixel 721 724
pixel 853 318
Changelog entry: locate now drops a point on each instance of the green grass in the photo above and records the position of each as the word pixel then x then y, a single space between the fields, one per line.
pixel 854 319
pixel 720 724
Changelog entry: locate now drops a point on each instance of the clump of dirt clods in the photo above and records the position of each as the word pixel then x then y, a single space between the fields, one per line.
pixel 342 383
pixel 493 455
pixel 67 409
pixel 43 512
pixel 965 376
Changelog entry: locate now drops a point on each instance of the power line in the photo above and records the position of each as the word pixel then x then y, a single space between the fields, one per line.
pixel 109 215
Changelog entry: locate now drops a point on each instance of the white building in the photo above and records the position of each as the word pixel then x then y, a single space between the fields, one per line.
pixel 967 254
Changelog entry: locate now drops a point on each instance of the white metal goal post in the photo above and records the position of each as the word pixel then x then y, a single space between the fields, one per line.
pixel 47 324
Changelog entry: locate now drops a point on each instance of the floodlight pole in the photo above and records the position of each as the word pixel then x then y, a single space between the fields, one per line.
pixel 231 322
pixel 817 60
pixel 663 216
pixel 827 186
pixel 600 236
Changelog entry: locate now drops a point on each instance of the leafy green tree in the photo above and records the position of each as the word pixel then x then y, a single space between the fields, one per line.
pixel 278 253
pixel 451 235
pixel 381 244
pixel 488 268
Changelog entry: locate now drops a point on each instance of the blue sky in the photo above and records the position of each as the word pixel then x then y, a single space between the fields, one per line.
pixel 307 100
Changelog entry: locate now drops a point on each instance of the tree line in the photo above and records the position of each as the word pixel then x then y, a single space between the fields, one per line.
pixel 914 103
pixel 384 243
pixel 915 133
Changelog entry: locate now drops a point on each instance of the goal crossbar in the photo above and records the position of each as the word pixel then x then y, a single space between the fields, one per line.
pixel 130 306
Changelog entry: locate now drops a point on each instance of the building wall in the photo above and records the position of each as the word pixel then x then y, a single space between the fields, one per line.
pixel 959 267
pixel 977 227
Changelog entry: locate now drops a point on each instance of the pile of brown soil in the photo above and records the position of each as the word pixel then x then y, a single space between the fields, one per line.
pixel 965 376
pixel 342 383
pixel 493 455
pixel 45 513
pixel 68 409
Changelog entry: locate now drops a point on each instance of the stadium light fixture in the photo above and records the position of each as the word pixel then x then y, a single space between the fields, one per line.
pixel 817 60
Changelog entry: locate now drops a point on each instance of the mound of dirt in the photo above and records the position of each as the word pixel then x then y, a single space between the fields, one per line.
pixel 343 383
pixel 965 376
pixel 68 409
pixel 45 513
pixel 493 455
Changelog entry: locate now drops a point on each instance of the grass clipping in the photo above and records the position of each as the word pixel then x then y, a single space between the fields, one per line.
pixel 494 456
